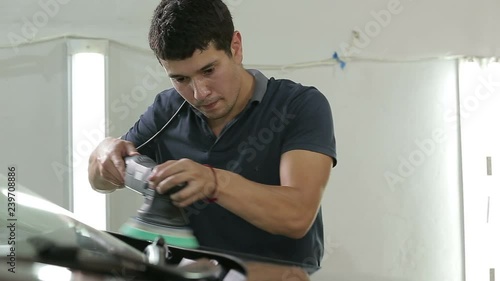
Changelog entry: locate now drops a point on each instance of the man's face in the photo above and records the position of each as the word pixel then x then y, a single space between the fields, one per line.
pixel 209 80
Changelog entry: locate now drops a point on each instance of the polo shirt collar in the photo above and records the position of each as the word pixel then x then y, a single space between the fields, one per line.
pixel 260 87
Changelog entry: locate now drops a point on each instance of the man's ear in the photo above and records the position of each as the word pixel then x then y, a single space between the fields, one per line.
pixel 237 47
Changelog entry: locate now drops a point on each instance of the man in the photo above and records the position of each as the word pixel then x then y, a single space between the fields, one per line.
pixel 270 142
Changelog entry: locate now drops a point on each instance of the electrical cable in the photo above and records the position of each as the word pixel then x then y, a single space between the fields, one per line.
pixel 164 126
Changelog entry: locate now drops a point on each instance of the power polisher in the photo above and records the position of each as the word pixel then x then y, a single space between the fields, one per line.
pixel 157 216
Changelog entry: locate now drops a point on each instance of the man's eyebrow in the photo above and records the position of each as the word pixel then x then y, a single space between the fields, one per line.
pixel 205 67
pixel 175 76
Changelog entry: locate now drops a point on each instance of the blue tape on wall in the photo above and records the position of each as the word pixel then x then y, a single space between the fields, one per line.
pixel 341 62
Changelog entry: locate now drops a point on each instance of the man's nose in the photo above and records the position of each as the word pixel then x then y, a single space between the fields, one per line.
pixel 200 88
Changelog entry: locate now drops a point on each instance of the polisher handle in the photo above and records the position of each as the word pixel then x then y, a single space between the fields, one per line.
pixel 157 208
pixel 137 170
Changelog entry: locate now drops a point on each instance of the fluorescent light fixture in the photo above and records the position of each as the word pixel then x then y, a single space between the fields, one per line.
pixel 88 96
pixel 52 272
pixel 479 87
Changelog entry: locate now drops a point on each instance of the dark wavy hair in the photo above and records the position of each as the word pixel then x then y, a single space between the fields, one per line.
pixel 180 27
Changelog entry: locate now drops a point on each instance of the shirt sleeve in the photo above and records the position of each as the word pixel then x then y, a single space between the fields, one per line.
pixel 310 124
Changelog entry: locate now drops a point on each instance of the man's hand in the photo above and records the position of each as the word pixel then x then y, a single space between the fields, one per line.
pixel 201 181
pixel 106 164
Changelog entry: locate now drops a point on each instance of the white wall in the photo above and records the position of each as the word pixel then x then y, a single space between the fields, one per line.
pixel 34 130
pixel 407 231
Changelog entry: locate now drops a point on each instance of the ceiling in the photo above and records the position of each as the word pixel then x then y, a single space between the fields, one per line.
pixel 422 28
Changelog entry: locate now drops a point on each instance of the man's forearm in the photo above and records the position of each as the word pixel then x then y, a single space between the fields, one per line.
pixel 279 210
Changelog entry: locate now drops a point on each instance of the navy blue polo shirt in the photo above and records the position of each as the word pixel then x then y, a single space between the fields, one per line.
pixel 281 116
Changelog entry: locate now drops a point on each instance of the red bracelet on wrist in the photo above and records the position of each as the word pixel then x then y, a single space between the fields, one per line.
pixel 214 198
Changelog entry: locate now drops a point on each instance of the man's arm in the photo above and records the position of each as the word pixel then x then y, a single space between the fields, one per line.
pixel 289 209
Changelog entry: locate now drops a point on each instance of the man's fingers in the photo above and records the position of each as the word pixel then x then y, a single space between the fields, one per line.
pixel 110 168
pixel 185 199
pixel 164 171
pixel 130 149
pixel 185 193
pixel 112 179
pixel 170 182
pixel 186 196
pixel 109 165
pixel 119 165
pixel 109 172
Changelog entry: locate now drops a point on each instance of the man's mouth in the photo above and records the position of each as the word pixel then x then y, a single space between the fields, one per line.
pixel 209 106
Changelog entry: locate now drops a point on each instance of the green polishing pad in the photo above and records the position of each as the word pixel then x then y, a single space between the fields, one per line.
pixel 175 236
